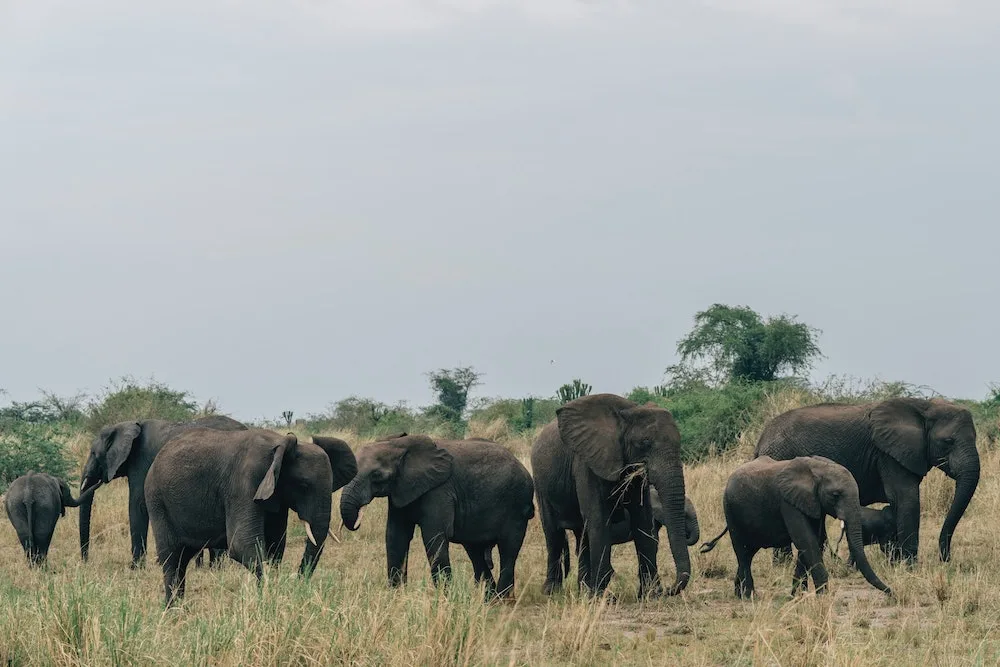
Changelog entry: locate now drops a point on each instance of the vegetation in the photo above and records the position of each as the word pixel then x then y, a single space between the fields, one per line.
pixel 128 399
pixel 573 390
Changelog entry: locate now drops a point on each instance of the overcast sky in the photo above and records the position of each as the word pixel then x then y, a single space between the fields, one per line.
pixel 280 204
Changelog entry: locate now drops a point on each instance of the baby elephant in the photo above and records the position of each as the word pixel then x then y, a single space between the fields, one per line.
pixel 34 503
pixel 877 527
pixel 769 503
pixel 469 492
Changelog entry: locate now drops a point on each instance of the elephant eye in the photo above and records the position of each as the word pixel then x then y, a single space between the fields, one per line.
pixel 948 442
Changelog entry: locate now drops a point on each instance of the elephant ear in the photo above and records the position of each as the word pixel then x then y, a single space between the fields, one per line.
pixel 424 466
pixel 797 486
pixel 898 429
pixel 278 453
pixel 118 445
pixel 342 459
pixel 591 427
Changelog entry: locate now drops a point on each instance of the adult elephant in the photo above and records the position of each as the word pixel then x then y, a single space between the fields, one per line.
pixel 888 446
pixel 210 488
pixel 127 449
pixel 584 464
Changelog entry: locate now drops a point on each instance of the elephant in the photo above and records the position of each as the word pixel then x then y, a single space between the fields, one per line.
pixel 877 527
pixel 770 502
pixel 595 457
pixel 34 503
pixel 470 492
pixel 888 446
pixel 127 449
pixel 211 488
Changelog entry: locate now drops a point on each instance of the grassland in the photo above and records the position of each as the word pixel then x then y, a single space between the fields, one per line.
pixel 103 613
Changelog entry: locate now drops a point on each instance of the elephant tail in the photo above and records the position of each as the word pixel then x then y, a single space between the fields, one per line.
pixel 29 507
pixel 708 546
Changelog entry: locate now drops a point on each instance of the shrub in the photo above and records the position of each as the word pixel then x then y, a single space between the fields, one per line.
pixel 128 400
pixel 520 414
pixel 573 390
pixel 32 447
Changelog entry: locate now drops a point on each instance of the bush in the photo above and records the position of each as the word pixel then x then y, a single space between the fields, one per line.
pixel 128 400
pixel 31 447
pixel 710 419
pixel 520 414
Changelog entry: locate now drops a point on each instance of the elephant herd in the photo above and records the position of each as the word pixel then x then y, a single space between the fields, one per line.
pixel 606 469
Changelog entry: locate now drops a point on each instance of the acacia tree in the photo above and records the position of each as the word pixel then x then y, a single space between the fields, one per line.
pixel 735 343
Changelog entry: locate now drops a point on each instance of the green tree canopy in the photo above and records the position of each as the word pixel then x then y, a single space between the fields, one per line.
pixel 735 343
pixel 452 389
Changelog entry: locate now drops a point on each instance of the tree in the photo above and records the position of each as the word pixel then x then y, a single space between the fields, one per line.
pixel 571 391
pixel 452 389
pixel 735 343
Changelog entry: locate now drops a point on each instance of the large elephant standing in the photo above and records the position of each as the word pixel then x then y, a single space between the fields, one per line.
pixel 583 463
pixel 469 492
pixel 210 488
pixel 888 446
pixel 127 449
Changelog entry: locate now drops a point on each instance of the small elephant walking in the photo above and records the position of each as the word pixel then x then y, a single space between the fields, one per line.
pixel 877 527
pixel 469 492
pixel 34 503
pixel 211 488
pixel 770 502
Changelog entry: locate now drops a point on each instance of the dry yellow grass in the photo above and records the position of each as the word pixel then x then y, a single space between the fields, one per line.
pixel 103 613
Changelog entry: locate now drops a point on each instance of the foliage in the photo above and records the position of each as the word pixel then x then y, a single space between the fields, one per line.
pixel 737 344
pixel 452 387
pixel 710 419
pixel 47 410
pixel 574 390
pixel 32 447
pixel 287 417
pixel 521 414
pixel 128 400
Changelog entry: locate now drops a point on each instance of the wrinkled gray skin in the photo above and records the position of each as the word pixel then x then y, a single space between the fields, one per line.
pixel 582 463
pixel 34 503
pixel 770 502
pixel 210 488
pixel 878 526
pixel 888 447
pixel 469 492
pixel 127 449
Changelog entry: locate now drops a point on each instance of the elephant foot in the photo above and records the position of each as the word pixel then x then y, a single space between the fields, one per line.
pixel 651 591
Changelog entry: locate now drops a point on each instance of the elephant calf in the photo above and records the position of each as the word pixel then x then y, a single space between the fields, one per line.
pixel 769 503
pixel 34 503
pixel 877 527
pixel 469 492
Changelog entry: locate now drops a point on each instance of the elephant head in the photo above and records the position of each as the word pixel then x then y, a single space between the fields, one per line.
pixel 303 476
pixel 612 435
pixel 919 434
pixel 817 487
pixel 402 468
pixel 108 452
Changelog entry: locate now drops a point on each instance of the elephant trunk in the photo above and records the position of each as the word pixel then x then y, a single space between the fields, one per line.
pixel 855 544
pixel 669 486
pixel 355 496
pixel 692 528
pixel 317 528
pixel 966 481
pixel 86 507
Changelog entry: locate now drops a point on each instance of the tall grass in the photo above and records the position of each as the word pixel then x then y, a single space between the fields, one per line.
pixel 103 613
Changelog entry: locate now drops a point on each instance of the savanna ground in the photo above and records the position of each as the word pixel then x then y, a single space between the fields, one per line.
pixel 104 613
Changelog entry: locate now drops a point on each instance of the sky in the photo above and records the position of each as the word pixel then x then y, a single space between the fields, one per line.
pixel 278 205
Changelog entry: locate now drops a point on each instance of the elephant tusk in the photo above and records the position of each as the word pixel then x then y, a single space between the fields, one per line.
pixel 357 522
pixel 333 535
pixel 309 532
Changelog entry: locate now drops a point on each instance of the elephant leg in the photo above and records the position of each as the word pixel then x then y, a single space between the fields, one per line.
pixel 800 581
pixel 200 559
pixel 596 510
pixel 509 547
pixel 477 554
pixel 174 561
pixel 138 521
pixel 646 543
pixel 398 535
pixel 215 557
pixel 555 546
pixel 275 535
pixel 907 536
pixel 805 536
pixel 436 545
pixel 743 582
